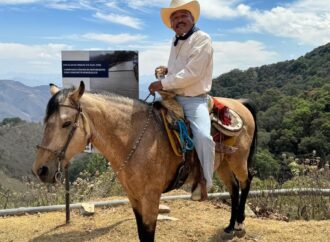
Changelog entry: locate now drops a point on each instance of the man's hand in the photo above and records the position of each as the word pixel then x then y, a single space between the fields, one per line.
pixel 160 71
pixel 155 86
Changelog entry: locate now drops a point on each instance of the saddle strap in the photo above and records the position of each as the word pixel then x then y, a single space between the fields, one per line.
pixel 170 135
pixel 180 177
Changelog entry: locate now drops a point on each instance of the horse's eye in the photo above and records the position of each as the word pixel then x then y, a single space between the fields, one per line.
pixel 66 124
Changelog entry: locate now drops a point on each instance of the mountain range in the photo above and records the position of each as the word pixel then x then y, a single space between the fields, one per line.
pixel 29 103
pixel 19 100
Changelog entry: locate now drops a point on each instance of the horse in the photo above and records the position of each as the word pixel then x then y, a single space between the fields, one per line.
pixel 126 132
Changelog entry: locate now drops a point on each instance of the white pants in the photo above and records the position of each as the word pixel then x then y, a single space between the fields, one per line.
pixel 196 111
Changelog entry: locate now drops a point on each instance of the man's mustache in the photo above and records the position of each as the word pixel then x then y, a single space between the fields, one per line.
pixel 180 23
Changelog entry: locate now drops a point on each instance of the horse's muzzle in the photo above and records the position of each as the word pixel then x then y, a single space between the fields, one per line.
pixel 42 173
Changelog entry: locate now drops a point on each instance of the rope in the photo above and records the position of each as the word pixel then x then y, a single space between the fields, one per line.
pixel 145 100
pixel 185 141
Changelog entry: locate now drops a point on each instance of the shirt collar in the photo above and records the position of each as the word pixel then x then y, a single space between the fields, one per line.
pixel 185 36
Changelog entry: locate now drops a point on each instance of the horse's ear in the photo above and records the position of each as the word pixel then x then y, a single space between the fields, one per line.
pixel 76 94
pixel 53 89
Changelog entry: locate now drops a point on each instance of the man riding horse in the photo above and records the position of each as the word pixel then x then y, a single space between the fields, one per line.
pixel 189 76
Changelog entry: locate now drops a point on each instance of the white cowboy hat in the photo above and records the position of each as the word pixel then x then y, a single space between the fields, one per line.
pixel 191 6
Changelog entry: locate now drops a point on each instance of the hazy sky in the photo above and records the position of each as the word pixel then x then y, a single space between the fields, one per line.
pixel 245 33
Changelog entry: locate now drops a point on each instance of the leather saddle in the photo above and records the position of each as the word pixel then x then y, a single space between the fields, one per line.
pixel 226 123
pixel 226 126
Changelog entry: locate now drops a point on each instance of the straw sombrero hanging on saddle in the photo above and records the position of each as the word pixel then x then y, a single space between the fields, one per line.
pixel 191 6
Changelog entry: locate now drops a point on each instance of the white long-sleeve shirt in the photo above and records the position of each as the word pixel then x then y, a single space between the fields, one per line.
pixel 190 66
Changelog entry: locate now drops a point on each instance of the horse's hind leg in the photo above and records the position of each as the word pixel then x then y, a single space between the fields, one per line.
pixel 232 185
pixel 245 188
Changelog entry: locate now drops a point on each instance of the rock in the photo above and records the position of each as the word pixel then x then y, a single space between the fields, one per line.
pixel 161 217
pixel 249 212
pixel 164 209
pixel 87 209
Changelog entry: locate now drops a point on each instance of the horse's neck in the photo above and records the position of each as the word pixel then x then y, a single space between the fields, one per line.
pixel 115 124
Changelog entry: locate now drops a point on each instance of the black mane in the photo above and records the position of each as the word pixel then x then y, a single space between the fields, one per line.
pixel 54 102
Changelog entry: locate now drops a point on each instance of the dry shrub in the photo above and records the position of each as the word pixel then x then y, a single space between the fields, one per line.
pixel 89 187
pixel 295 207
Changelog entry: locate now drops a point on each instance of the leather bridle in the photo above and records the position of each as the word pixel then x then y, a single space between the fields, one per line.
pixel 60 154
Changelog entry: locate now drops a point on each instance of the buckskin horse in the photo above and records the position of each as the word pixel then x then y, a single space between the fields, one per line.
pixel 127 134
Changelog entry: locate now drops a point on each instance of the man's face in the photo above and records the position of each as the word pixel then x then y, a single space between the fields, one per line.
pixel 181 21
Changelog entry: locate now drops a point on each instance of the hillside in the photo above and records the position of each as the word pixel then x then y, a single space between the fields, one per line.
pixel 10 183
pixel 289 77
pixel 293 103
pixel 17 147
pixel 19 100
pixel 197 221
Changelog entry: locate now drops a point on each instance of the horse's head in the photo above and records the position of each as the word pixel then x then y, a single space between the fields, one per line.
pixel 66 133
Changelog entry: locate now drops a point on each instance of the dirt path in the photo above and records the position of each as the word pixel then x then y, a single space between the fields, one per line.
pixel 198 221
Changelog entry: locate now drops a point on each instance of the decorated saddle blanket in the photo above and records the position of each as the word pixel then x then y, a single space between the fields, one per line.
pixel 224 119
pixel 226 126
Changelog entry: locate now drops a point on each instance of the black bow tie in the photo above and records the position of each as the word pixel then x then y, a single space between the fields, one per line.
pixel 186 36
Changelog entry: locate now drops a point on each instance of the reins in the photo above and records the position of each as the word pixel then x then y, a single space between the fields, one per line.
pixel 60 154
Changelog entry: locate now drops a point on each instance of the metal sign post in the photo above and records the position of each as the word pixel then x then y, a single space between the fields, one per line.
pixel 67 195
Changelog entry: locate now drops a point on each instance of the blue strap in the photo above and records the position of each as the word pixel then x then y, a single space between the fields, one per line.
pixel 185 141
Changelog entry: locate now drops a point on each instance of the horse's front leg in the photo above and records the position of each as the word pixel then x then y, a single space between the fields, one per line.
pixel 146 212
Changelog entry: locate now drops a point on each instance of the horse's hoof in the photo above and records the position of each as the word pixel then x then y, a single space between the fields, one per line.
pixel 239 230
pixel 240 233
pixel 227 235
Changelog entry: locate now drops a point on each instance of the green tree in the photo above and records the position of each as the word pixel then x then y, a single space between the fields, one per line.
pixel 265 164
pixel 12 121
pixel 263 139
pixel 91 164
pixel 315 142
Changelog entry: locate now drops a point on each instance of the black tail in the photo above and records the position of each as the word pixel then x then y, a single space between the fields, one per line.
pixel 248 103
